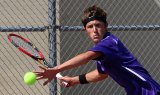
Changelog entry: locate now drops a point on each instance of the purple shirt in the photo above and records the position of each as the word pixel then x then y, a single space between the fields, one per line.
pixel 123 67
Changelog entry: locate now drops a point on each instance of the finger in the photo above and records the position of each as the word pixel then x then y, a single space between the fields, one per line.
pixel 42 67
pixel 40 74
pixel 40 71
pixel 40 77
pixel 37 72
pixel 65 84
pixel 62 79
pixel 46 82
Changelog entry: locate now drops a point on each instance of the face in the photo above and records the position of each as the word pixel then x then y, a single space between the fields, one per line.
pixel 96 30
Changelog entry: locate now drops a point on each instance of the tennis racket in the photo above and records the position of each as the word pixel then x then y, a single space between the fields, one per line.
pixel 26 47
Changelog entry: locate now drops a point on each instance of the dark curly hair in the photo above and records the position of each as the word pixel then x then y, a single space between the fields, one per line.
pixel 94 13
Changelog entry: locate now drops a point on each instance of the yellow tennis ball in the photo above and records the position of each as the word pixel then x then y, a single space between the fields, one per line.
pixel 29 78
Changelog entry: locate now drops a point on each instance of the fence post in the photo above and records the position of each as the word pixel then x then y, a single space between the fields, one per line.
pixel 52 42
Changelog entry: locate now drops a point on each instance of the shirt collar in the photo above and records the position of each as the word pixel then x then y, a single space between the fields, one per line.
pixel 107 34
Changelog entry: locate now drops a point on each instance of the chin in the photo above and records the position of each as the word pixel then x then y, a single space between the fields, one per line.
pixel 96 41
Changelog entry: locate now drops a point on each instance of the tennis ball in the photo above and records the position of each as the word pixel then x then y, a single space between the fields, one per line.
pixel 29 78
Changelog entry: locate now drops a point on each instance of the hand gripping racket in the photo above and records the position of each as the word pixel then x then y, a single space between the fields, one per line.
pixel 26 47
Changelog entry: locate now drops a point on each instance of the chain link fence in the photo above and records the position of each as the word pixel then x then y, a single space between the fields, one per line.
pixel 135 22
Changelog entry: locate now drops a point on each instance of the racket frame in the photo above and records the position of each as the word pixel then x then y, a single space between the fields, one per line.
pixel 41 56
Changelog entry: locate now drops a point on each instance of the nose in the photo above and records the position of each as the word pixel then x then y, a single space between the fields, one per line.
pixel 94 29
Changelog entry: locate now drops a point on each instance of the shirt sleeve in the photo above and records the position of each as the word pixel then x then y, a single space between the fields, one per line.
pixel 99 68
pixel 107 46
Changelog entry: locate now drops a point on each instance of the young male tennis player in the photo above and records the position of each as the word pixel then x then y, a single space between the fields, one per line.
pixel 112 58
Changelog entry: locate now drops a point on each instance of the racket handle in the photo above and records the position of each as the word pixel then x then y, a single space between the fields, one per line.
pixel 58 75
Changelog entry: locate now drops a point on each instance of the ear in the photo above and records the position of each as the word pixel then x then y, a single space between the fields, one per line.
pixel 84 28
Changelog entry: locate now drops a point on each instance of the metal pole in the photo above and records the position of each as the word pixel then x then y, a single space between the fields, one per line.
pixel 23 28
pixel 58 43
pixel 52 42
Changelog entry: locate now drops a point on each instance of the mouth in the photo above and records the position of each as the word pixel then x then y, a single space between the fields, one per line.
pixel 95 37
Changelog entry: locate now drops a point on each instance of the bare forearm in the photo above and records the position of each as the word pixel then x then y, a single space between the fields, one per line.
pixel 95 76
pixel 77 61
pixel 91 77
pixel 72 63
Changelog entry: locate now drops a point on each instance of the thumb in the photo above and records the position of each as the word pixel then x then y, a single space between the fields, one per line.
pixel 46 82
pixel 64 82
pixel 63 79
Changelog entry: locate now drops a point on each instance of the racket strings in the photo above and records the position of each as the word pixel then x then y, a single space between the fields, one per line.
pixel 25 45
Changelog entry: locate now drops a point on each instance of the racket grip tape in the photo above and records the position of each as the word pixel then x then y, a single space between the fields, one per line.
pixel 58 75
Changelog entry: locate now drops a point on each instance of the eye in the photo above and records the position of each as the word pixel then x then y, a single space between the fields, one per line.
pixel 90 26
pixel 98 25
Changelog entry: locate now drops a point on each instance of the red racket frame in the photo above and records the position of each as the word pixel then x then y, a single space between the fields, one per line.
pixel 41 56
